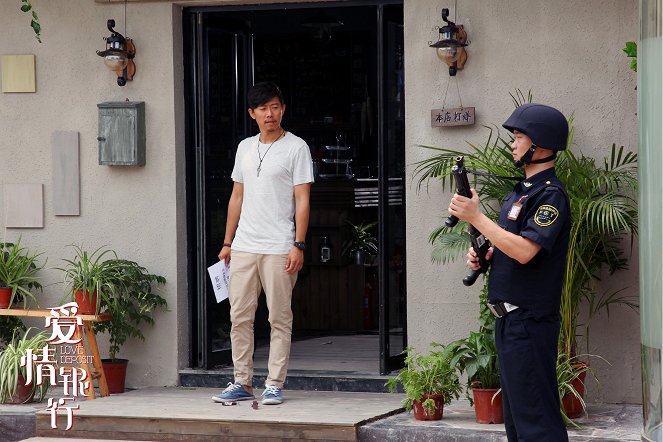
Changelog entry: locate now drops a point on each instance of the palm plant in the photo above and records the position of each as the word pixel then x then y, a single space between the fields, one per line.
pixel 361 243
pixel 603 211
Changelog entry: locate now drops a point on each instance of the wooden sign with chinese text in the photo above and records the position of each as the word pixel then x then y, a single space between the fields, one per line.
pixel 459 116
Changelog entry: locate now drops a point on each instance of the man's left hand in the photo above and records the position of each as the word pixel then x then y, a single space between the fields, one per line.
pixel 295 260
pixel 465 209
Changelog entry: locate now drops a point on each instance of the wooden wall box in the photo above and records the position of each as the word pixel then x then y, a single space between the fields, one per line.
pixel 122 133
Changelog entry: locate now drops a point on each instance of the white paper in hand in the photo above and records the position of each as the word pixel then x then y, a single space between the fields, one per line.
pixel 219 273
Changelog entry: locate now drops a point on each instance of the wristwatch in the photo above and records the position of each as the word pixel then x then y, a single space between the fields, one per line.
pixel 300 245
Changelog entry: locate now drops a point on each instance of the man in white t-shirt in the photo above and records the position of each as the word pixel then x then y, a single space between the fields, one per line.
pixel 272 182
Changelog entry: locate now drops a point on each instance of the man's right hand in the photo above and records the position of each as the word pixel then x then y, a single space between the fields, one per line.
pixel 224 254
pixel 473 259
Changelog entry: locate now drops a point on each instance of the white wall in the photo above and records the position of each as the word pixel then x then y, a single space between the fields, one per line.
pixel 133 210
pixel 568 54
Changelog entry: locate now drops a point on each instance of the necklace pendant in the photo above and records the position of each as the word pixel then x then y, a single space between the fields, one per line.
pixel 258 172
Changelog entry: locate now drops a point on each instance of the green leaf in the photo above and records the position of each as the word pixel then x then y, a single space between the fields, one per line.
pixel 631 49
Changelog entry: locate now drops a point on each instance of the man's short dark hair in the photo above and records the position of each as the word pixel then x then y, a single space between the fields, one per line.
pixel 261 93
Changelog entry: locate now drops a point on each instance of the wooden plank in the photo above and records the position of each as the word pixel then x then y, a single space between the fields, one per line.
pixel 190 430
pixel 460 116
pixel 44 313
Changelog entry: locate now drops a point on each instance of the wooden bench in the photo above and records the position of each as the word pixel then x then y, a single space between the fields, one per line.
pixel 84 332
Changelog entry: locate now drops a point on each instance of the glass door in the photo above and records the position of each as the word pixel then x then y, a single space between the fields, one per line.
pixel 391 160
pixel 222 51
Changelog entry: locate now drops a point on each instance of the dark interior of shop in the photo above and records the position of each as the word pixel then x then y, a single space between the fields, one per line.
pixel 326 63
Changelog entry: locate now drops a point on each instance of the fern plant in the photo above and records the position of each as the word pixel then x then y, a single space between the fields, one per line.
pixel 432 373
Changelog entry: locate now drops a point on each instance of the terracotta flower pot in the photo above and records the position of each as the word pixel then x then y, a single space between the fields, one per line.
pixel 86 306
pixel 5 296
pixel 116 374
pixel 23 393
pixel 486 409
pixel 572 405
pixel 420 413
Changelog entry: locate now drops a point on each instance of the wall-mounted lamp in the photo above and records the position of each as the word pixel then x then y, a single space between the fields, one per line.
pixel 451 46
pixel 119 55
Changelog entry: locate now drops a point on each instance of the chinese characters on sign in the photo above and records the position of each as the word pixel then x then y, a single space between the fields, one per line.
pixel 459 116
pixel 63 323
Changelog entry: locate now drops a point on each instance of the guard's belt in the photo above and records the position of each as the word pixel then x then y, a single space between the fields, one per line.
pixel 501 309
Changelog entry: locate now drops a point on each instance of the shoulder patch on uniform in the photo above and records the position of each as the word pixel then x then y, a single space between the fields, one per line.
pixel 545 215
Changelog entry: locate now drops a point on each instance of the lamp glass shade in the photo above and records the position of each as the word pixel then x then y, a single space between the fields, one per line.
pixel 115 62
pixel 448 54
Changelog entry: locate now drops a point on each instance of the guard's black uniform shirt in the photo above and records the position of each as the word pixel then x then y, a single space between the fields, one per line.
pixel 545 219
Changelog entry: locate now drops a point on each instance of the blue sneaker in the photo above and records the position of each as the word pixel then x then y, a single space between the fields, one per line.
pixel 233 392
pixel 272 395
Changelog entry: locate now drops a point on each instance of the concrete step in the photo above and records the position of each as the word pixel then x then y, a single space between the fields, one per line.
pixel 603 423
pixel 311 380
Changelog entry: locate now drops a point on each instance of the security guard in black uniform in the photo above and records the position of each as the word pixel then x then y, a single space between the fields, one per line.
pixel 530 244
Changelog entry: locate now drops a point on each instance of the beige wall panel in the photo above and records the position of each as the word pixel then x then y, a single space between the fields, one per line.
pixel 18 73
pixel 66 173
pixel 24 205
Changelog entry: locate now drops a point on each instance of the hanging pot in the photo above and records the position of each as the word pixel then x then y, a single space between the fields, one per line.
pixel 486 409
pixel 115 371
pixel 5 297
pixel 87 305
pixel 422 414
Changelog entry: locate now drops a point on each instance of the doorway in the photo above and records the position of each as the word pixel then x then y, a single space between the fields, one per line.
pixel 341 71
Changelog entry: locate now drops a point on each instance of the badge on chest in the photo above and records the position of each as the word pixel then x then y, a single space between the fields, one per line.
pixel 516 208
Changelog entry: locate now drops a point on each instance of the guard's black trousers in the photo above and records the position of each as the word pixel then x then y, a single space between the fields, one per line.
pixel 527 351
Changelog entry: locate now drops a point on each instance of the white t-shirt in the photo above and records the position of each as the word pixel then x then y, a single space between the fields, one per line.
pixel 266 223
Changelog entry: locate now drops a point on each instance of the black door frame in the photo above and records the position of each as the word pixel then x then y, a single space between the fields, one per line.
pixel 195 132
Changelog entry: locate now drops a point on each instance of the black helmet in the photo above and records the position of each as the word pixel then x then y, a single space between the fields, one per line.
pixel 545 125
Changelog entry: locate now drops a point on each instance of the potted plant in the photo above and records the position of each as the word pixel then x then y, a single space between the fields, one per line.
pixel 90 278
pixel 9 325
pixel 603 210
pixel 362 243
pixel 133 304
pixel 476 355
pixel 429 381
pixel 571 374
pixel 13 377
pixel 18 274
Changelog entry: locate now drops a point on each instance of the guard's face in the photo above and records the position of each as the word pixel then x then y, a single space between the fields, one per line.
pixel 268 115
pixel 521 143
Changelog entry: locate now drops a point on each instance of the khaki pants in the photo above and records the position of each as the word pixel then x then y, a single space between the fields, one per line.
pixel 249 274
